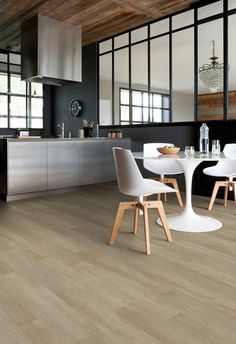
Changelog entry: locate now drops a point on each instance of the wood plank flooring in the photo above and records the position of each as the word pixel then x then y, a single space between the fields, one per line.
pixel 60 283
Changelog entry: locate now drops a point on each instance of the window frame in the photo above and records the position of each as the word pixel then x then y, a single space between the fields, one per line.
pixel 150 106
pixel 28 96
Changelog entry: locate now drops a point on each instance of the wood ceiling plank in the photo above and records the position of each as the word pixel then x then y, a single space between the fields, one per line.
pixel 99 18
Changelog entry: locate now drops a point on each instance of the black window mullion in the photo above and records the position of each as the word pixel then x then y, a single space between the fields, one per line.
pixel 113 84
pixel 8 90
pixel 226 60
pixel 195 47
pixel 130 82
pixel 149 70
pixel 28 105
pixel 170 69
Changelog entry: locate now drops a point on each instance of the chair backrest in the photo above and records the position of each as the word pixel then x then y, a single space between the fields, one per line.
pixel 230 150
pixel 128 175
pixel 160 167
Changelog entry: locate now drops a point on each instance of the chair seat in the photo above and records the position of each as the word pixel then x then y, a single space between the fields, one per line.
pixel 147 188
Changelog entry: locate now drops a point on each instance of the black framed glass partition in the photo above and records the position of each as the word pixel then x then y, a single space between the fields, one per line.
pixel 178 58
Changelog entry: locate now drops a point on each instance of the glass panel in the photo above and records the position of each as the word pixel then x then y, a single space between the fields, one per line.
pixel 157 115
pixel 124 113
pixel 137 98
pixel 121 80
pixel 139 74
pixel 183 75
pixel 182 19
pixel 166 116
pixel 3 111
pixel 145 99
pixel 15 58
pixel 137 114
pixel 121 40
pixel 36 89
pixel 105 46
pixel 36 123
pixel 210 10
pixel 139 67
pixel 231 4
pixel 3 67
pixel 17 86
pixel 105 90
pixel 3 58
pixel 17 110
pixel 159 63
pixel 3 82
pixel 159 27
pixel 139 34
pixel 36 107
pixel 166 102
pixel 15 69
pixel 17 122
pixel 157 100
pixel 124 97
pixel 145 115
pixel 210 85
pixel 232 67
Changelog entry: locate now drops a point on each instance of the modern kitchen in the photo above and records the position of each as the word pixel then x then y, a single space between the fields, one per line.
pixel 86 87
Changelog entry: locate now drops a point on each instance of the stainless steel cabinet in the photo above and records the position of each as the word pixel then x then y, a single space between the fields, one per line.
pixel 35 166
pixel 63 164
pixel 93 162
pixel 27 167
pixel 96 160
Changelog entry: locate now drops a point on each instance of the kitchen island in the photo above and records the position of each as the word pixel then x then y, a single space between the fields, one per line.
pixel 32 167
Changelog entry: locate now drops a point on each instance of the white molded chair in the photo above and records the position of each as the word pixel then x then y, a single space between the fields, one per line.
pixel 224 169
pixel 131 182
pixel 162 168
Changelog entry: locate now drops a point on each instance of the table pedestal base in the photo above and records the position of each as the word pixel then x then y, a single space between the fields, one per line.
pixel 191 222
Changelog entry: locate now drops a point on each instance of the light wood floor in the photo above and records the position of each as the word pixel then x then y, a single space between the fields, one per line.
pixel 60 283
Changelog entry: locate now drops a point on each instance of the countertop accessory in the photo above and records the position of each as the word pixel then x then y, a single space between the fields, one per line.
pixel 168 150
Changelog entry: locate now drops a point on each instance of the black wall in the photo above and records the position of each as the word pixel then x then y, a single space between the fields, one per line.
pixel 86 92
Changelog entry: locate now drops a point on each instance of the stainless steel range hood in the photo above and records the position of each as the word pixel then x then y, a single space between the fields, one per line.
pixel 51 51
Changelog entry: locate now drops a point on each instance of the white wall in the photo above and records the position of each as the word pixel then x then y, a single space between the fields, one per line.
pixel 183 107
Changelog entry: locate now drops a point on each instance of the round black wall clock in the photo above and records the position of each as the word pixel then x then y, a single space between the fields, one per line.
pixel 75 108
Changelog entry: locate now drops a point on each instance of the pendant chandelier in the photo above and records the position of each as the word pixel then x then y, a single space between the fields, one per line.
pixel 212 74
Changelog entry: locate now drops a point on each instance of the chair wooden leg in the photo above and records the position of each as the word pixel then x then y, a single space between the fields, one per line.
pixel 165 197
pixel 164 222
pixel 175 185
pixel 143 206
pixel 234 187
pixel 116 226
pixel 159 206
pixel 158 197
pixel 214 193
pixel 135 225
pixel 226 194
pixel 146 229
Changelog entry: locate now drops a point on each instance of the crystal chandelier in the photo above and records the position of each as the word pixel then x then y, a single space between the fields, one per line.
pixel 212 74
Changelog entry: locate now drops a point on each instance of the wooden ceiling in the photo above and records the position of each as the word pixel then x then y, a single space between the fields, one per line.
pixel 99 18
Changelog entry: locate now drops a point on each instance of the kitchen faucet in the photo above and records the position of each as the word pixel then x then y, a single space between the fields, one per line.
pixel 62 127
